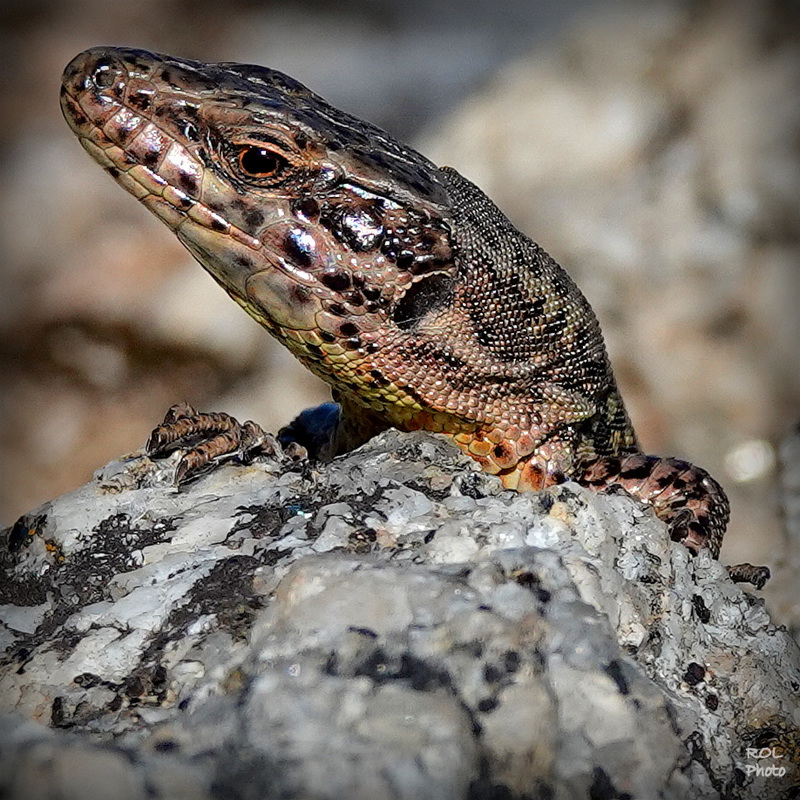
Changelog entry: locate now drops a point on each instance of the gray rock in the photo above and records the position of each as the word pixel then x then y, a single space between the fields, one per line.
pixel 390 625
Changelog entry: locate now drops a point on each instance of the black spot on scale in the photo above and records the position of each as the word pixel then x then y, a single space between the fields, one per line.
pixel 662 481
pixel 378 377
pixel 694 492
pixel 254 218
pixel 306 207
pixel 414 394
pixel 636 471
pixel 140 64
pixel 536 308
pixel 188 183
pixel 150 158
pixel 185 201
pixel 245 262
pixel 370 292
pixel 405 260
pixel 300 247
pixel 117 91
pixel 337 281
pixel 348 329
pixel 78 116
pixel 355 299
pixel 557 324
pixel 113 172
pixel 453 362
pixel 421 298
pixel 562 284
pixel 140 100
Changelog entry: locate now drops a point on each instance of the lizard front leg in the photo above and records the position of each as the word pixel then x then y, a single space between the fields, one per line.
pixel 686 497
pixel 209 439
pixel 693 505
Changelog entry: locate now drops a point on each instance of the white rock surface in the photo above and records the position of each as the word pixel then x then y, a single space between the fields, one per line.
pixel 391 625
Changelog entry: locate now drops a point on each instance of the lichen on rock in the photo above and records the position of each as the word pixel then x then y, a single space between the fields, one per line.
pixel 391 624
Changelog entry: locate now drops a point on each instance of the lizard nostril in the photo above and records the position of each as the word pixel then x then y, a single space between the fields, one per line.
pixel 103 77
pixel 105 73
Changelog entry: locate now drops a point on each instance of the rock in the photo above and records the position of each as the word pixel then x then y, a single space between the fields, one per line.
pixel 389 625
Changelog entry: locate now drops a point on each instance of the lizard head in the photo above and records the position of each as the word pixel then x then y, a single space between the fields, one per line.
pixel 323 227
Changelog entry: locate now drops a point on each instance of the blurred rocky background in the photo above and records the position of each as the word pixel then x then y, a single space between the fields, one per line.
pixel 652 148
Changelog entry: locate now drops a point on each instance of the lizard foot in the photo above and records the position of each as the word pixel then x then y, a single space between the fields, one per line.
pixel 209 439
pixel 686 497
pixel 749 573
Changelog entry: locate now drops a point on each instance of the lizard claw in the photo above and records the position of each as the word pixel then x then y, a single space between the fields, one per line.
pixel 210 439
pixel 749 573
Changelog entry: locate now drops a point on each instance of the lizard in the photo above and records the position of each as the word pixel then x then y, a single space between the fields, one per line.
pixel 398 282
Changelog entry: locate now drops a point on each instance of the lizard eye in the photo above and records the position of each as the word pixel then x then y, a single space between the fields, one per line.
pixel 257 161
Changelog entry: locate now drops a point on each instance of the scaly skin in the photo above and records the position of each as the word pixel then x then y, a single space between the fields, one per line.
pixel 397 282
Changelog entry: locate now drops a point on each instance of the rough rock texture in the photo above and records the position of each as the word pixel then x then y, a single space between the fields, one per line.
pixel 391 625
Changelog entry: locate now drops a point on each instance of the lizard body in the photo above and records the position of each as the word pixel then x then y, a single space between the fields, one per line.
pixel 398 282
